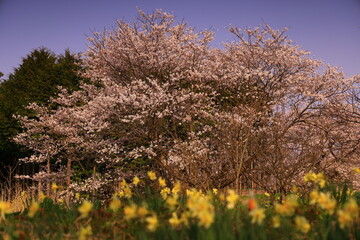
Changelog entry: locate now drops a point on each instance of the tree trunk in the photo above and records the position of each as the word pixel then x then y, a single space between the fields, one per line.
pixel 48 187
pixel 39 189
pixel 68 181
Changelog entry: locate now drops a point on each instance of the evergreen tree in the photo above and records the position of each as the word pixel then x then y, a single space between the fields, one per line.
pixel 35 80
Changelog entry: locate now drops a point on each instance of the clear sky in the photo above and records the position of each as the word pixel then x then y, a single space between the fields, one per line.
pixel 329 29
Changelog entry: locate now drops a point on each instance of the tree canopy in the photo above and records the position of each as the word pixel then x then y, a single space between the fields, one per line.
pixel 161 97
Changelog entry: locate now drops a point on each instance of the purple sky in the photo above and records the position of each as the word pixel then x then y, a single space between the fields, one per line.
pixel 329 29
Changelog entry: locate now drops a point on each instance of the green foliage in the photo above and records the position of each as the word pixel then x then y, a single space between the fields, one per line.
pixel 35 80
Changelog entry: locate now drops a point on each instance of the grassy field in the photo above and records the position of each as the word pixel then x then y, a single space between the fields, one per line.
pixel 150 209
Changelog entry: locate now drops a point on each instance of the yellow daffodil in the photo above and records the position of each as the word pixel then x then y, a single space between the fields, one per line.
pixel 136 180
pixel 231 199
pixel 152 175
pixel 77 196
pixel 5 208
pixel 174 220
pixel 349 192
pixel 222 197
pixel 310 176
pixel 200 207
pixel 257 215
pixel 120 194
pixel 41 196
pixel 275 221
pixel 314 195
pixel 162 182
pixel 127 192
pixel 349 213
pixel 206 218
pixel 115 204
pixel 352 207
pixel 356 170
pixel 34 207
pixel 326 202
pixel 184 218
pixel 344 218
pixel 177 188
pixel 316 178
pixel 267 194
pixel 152 223
pixel 130 212
pixel 54 187
pixel 123 184
pixel 85 209
pixel 142 212
pixel 85 232
pixel 172 201
pixel 302 224
pixel 165 192
pixel 288 207
pixel 215 191
pixel 189 192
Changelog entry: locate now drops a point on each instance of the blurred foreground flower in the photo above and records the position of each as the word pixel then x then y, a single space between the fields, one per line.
pixel 302 224
pixel 130 211
pixel 85 209
pixel 288 207
pixel 344 218
pixel 34 207
pixel 172 201
pixel 152 223
pixel 349 213
pixel 324 200
pixel 352 207
pixel 251 203
pixel 206 218
pixel 142 212
pixel 257 215
pixel 115 204
pixel 201 208
pixel 85 232
pixel 5 208
pixel 174 220
pixel 231 199
pixel 276 221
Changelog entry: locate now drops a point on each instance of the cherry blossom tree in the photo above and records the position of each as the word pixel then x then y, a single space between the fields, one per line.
pixel 161 97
